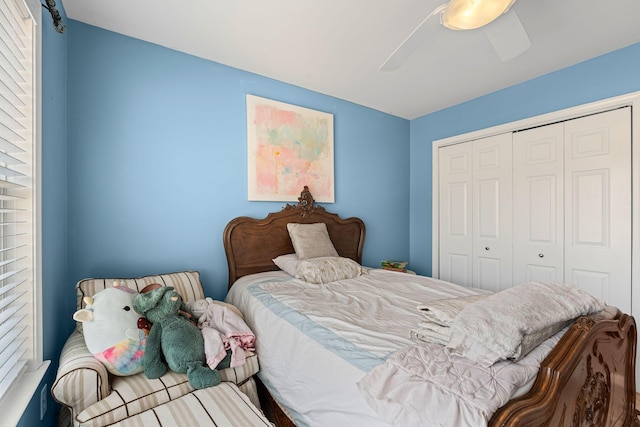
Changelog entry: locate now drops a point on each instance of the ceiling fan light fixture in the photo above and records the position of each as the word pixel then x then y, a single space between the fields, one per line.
pixel 471 14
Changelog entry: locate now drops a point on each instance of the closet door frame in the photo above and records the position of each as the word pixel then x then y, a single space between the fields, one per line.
pixel 629 100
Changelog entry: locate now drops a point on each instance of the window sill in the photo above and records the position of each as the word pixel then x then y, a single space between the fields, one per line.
pixel 21 394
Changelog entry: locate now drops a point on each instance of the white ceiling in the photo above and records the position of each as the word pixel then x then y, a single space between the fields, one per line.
pixel 336 46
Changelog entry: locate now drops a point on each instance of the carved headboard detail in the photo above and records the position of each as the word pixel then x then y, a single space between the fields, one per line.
pixel 306 204
pixel 251 244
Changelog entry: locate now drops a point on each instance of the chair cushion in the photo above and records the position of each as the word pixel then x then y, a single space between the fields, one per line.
pixel 135 394
pixel 223 405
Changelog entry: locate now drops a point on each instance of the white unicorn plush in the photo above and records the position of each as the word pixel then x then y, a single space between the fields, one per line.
pixel 111 329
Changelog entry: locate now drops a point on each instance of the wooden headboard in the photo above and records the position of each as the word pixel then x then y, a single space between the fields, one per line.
pixel 251 244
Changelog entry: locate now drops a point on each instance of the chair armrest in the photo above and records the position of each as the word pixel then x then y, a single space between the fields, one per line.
pixel 241 374
pixel 81 380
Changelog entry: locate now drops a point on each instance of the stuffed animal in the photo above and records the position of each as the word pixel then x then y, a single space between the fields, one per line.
pixel 174 341
pixel 110 329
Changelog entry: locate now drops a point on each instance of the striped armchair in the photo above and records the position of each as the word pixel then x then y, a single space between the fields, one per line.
pixel 94 397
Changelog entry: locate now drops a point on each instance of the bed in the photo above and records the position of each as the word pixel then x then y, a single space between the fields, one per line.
pixel 586 374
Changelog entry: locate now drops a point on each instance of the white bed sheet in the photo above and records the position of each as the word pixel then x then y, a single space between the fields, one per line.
pixel 312 363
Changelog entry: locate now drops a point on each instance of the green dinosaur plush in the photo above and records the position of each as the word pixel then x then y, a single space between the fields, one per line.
pixel 173 341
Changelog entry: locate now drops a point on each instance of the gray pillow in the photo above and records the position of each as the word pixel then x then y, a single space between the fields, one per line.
pixel 311 240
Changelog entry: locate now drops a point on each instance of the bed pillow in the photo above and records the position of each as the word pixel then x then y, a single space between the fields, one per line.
pixel 319 270
pixel 311 240
pixel 287 263
pixel 327 269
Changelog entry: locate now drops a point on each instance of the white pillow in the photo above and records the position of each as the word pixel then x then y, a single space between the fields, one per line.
pixel 311 240
pixel 287 263
pixel 327 269
pixel 319 270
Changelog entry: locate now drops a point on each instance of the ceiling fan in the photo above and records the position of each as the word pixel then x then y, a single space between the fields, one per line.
pixel 507 35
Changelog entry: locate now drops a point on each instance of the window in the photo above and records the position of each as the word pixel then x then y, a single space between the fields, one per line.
pixel 20 324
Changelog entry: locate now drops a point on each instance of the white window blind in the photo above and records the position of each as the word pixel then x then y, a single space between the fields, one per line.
pixel 19 348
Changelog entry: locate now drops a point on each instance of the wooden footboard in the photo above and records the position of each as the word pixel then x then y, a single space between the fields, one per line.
pixel 588 379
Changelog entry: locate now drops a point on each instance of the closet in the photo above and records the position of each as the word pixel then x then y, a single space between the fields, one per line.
pixel 548 203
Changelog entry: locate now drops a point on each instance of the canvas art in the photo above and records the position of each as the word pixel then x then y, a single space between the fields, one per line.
pixel 288 147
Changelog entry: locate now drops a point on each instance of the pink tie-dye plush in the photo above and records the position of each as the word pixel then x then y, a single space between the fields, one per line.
pixel 125 357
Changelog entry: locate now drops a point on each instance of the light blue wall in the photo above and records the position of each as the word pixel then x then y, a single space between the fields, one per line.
pixel 599 78
pixel 157 160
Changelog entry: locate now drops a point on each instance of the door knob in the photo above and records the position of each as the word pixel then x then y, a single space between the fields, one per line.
pixel 486 248
pixel 541 255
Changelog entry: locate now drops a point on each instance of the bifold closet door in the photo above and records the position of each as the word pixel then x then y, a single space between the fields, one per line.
pixel 455 182
pixel 538 204
pixel 475 213
pixel 492 212
pixel 598 205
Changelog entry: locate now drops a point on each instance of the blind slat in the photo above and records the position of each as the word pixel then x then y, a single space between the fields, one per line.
pixel 9 172
pixel 13 108
pixel 12 42
pixel 12 248
pixel 10 286
pixel 10 261
pixel 13 374
pixel 9 337
pixel 10 160
pixel 10 198
pixel 9 308
pixel 12 16
pixel 14 85
pixel 9 97
pixel 15 352
pixel 9 325
pixel 4 184
pixel 8 134
pixel 11 117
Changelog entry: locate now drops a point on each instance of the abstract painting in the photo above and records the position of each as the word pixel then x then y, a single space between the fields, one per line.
pixel 288 147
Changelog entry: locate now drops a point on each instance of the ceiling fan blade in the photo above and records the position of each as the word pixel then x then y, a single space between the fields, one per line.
pixel 508 36
pixel 409 45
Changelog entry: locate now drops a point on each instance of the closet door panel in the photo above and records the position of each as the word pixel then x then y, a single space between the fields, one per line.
pixel 492 212
pixel 598 204
pixel 538 214
pixel 455 177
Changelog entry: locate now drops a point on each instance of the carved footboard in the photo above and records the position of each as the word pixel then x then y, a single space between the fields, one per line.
pixel 587 380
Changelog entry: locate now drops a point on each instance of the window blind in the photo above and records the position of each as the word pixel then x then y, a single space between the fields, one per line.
pixel 17 201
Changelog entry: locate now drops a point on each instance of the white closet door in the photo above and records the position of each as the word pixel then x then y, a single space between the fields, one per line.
pixel 492 212
pixel 538 197
pixel 455 213
pixel 598 205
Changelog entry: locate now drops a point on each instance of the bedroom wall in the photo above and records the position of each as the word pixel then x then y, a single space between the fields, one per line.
pixel 157 160
pixel 603 77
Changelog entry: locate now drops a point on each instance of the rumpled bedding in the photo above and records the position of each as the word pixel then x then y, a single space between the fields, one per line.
pixel 495 346
pixel 437 318
pixel 428 385
pixel 510 323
